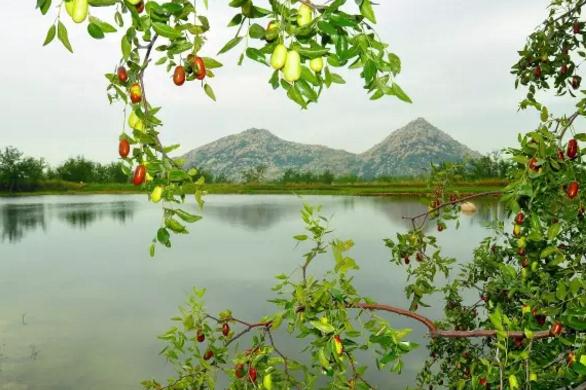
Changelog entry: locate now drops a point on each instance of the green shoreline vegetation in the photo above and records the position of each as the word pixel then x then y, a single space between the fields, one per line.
pixel 26 176
pixel 405 188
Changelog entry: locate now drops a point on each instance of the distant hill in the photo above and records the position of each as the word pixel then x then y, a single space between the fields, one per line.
pixel 407 151
pixel 410 150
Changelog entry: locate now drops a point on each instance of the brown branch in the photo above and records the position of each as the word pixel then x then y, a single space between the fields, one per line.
pixel 145 64
pixel 247 326
pixel 356 374
pixel 434 332
pixel 285 360
pixel 571 120
pixel 452 203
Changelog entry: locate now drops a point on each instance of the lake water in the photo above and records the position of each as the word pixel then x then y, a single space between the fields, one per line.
pixel 81 303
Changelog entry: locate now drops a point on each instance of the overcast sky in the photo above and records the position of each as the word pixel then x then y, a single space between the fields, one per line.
pixel 456 60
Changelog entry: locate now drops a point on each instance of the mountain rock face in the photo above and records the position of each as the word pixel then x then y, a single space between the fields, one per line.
pixel 407 151
pixel 410 151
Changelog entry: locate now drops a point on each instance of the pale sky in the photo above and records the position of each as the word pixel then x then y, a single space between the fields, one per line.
pixel 456 67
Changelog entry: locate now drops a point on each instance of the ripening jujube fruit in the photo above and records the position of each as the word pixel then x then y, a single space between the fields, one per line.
pixel 140 7
pixel 239 370
pixel 533 164
pixel 279 57
pixel 179 75
pixel 200 336
pixel 571 358
pixel 122 74
pixel 338 345
pixel 272 31
pixel 199 67
pixel 520 218
pixel 225 329
pixel 139 175
pixel 576 81
pixel 124 148
pixel 556 329
pixel 537 72
pixel 292 68
pixel 135 93
pixel 208 354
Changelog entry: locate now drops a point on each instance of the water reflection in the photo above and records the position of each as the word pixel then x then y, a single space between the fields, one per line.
pixel 263 215
pixel 16 220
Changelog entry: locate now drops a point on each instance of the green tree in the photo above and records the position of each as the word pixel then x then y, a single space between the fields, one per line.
pixel 18 173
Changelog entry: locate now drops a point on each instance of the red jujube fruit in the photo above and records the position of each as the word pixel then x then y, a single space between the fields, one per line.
pixel 122 74
pixel 572 190
pixel 124 148
pixel 179 75
pixel 199 67
pixel 572 151
pixel 139 175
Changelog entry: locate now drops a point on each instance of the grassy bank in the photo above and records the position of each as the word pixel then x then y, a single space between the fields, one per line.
pixel 358 189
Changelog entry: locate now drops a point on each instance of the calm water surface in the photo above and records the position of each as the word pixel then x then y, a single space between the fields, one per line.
pixel 81 303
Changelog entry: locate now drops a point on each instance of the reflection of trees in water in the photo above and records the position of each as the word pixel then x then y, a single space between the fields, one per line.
pixel 397 208
pixel 18 219
pixel 264 215
pixel 260 216
pixel 81 215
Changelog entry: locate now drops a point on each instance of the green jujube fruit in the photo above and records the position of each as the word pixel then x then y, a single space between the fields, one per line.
pixel 292 69
pixel 80 10
pixel 69 8
pixel 317 64
pixel 304 15
pixel 279 57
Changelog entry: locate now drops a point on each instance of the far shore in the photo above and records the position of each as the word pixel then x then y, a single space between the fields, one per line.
pixel 415 188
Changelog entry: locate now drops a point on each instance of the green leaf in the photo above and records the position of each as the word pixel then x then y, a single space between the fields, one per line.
pixel 126 48
pixel 553 231
pixel 367 11
pixel 50 35
pixel 209 91
pixel 256 31
pixel 104 26
pixel 95 31
pixel 63 36
pixel 398 92
pixel 163 237
pixel 165 30
pixel 323 327
pixel 211 63
pixel 174 225
pixel 230 45
pixel 187 217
